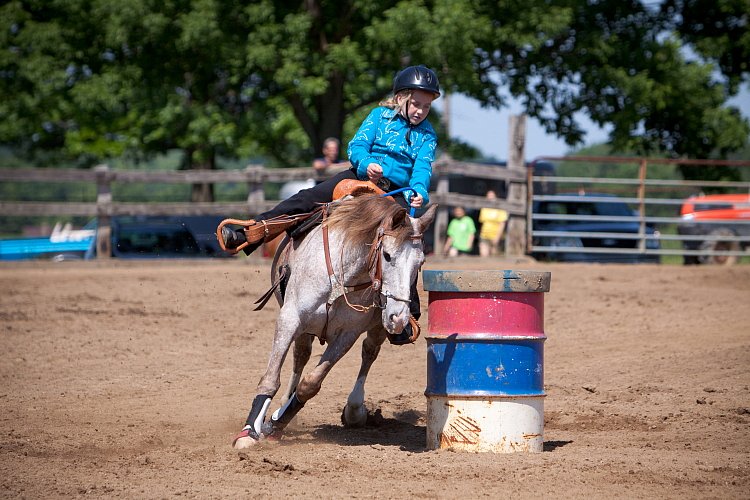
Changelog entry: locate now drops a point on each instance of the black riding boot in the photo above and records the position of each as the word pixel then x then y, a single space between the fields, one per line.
pixel 236 237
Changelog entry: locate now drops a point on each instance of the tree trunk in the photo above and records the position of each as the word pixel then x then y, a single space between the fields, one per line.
pixel 200 160
pixel 330 108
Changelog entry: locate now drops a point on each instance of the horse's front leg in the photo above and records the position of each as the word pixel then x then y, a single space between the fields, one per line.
pixel 355 411
pixel 287 328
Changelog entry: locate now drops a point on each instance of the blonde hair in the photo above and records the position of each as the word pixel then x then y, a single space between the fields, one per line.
pixel 392 101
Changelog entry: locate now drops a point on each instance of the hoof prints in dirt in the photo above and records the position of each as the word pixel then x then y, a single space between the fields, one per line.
pixel 266 464
pixel 606 423
pixel 378 431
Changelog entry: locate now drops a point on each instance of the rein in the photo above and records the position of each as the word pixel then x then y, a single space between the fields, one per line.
pixel 374 266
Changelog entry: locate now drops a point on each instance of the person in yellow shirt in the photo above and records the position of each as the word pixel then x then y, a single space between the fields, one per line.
pixel 493 227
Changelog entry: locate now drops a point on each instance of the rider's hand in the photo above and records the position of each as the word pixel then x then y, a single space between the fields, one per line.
pixel 416 201
pixel 374 172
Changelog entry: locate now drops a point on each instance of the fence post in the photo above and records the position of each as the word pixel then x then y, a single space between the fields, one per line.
pixel 441 221
pixel 642 205
pixel 515 240
pixel 103 212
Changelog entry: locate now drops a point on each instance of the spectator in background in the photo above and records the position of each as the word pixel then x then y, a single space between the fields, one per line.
pixel 493 227
pixel 461 231
pixel 331 147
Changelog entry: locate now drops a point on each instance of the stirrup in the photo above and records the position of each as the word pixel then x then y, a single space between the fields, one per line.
pixel 257 231
pixel 235 222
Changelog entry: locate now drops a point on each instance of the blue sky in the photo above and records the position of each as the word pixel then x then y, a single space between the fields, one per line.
pixel 487 129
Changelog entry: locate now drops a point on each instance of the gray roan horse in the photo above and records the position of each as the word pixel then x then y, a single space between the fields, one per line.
pixel 370 238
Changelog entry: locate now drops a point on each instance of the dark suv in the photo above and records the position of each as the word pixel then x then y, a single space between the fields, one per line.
pixel 562 229
pixel 150 237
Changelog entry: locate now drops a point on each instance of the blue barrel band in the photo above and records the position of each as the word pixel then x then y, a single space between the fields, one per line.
pixel 484 396
pixel 459 337
pixel 486 281
pixel 485 366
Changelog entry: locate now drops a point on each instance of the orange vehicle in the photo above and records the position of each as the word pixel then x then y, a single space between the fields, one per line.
pixel 723 217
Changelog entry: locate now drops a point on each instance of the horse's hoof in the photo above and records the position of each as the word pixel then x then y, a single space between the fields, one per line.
pixel 354 417
pixel 268 432
pixel 274 437
pixel 244 440
pixel 244 443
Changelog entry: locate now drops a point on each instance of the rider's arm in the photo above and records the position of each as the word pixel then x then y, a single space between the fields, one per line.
pixel 360 147
pixel 422 171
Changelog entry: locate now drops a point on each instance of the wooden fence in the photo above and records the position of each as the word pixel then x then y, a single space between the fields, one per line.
pixel 256 177
pixel 519 198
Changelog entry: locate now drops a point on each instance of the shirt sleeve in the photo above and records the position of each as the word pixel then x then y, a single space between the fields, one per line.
pixel 360 147
pixel 421 174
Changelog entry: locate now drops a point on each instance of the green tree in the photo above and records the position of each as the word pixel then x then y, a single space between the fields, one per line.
pixel 718 31
pixel 98 78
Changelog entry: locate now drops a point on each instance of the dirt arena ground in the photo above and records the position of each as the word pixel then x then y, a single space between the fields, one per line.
pixel 129 380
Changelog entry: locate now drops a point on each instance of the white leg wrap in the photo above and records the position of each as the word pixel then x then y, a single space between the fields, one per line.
pixel 261 416
pixel 283 408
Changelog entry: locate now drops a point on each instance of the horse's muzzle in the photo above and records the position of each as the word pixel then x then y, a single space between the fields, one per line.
pixel 396 322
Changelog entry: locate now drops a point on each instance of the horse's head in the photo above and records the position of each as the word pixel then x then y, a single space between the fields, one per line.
pixel 400 257
pixel 396 249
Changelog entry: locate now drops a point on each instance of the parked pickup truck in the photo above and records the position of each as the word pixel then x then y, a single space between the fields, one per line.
pixel 724 218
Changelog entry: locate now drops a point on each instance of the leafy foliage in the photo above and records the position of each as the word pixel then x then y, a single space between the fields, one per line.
pixel 96 79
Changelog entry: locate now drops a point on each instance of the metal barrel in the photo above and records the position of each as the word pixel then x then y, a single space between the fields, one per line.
pixel 485 360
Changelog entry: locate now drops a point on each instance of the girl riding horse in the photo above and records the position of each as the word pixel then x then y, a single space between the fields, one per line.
pixel 394 148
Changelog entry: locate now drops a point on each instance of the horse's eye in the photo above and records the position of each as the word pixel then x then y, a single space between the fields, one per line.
pixel 387 256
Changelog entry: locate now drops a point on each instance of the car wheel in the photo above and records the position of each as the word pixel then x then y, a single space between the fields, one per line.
pixel 720 246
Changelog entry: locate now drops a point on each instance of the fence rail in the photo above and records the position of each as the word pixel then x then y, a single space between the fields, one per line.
pixel 519 189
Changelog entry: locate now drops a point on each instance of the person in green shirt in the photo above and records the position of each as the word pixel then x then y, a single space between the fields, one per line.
pixel 461 231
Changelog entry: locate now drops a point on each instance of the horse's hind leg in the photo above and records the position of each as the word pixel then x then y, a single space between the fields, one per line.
pixel 355 412
pixel 310 384
pixel 302 352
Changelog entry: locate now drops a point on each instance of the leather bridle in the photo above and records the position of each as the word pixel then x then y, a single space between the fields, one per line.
pixel 375 269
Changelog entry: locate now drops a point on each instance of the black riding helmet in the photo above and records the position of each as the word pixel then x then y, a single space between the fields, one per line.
pixel 417 78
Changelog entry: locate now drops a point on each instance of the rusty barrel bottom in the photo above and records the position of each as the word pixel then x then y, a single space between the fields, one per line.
pixel 497 424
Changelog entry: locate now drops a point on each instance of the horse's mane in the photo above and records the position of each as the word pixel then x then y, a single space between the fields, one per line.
pixel 360 217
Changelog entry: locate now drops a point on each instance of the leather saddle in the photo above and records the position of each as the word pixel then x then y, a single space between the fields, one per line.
pixel 268 229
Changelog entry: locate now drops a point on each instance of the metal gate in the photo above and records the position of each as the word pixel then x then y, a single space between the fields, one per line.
pixel 637 219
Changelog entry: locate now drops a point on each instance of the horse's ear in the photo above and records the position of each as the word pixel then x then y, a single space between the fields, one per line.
pixel 426 219
pixel 398 219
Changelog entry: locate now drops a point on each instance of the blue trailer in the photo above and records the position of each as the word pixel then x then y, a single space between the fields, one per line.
pixel 34 248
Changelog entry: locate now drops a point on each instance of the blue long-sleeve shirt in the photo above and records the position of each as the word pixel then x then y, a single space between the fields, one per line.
pixel 382 139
